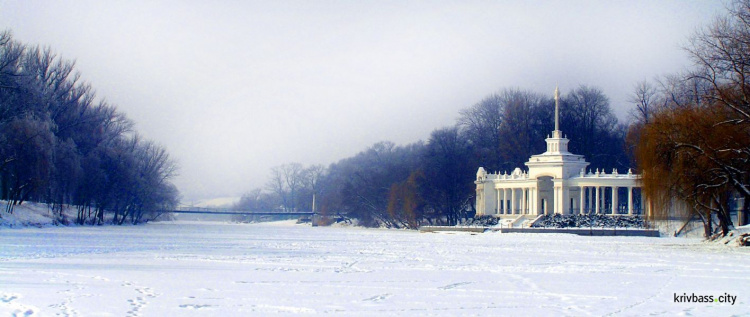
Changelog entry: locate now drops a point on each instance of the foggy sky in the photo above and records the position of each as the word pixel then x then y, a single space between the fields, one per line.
pixel 232 88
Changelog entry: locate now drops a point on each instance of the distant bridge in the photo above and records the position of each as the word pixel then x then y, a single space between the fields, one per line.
pixel 226 211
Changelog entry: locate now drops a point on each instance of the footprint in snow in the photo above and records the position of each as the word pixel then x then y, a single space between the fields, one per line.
pixel 454 285
pixel 194 306
pixel 7 298
pixel 17 309
pixel 378 298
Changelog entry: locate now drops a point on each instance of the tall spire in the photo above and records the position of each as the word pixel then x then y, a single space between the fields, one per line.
pixel 557 112
pixel 557 144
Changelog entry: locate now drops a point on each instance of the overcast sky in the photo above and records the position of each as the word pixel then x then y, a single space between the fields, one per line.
pixel 232 88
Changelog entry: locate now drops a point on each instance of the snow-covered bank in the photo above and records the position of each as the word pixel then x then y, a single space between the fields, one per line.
pixel 28 214
pixel 209 269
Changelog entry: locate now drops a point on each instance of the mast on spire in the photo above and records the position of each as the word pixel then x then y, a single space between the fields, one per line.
pixel 557 144
pixel 556 133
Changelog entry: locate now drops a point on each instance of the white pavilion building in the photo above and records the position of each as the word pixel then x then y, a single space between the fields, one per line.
pixel 557 183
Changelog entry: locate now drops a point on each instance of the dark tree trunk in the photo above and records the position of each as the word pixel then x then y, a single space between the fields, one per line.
pixel 707 224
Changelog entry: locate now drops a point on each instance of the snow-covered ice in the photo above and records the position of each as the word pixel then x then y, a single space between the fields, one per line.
pixel 210 269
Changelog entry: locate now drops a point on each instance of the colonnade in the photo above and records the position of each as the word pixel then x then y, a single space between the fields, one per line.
pixel 516 201
pixel 593 198
pixel 526 200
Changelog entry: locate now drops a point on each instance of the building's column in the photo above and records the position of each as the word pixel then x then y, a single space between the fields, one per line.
pixel 524 203
pixel 630 200
pixel 603 207
pixel 552 201
pixel 512 200
pixel 569 201
pixel 505 200
pixel 553 204
pixel 555 198
pixel 596 199
pixel 562 201
pixel 591 199
pixel 582 201
pixel 508 201
pixel 508 211
pixel 497 211
pixel 519 205
pixel 499 201
pixel 531 200
pixel 502 204
pixel 614 199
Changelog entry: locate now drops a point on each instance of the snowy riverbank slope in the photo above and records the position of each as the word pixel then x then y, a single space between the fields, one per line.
pixel 27 214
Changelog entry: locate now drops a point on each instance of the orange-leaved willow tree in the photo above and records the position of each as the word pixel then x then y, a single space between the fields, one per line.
pixel 696 147
pixel 693 154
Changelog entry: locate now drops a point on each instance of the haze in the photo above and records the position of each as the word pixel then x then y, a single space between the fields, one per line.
pixel 232 88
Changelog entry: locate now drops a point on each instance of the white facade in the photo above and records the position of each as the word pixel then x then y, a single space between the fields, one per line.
pixel 557 183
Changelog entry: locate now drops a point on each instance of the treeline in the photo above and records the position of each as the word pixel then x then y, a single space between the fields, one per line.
pixel 692 136
pixel 432 182
pixel 61 145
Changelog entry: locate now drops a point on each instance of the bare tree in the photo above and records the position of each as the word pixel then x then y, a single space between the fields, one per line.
pixel 312 176
pixel 721 53
pixel 277 185
pixel 249 200
pixel 587 119
pixel 526 120
pixel 293 177
pixel 644 97
pixel 481 124
pixel 32 145
pixel 286 181
pixel 449 188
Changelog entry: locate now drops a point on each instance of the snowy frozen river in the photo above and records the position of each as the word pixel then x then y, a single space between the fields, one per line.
pixel 210 269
